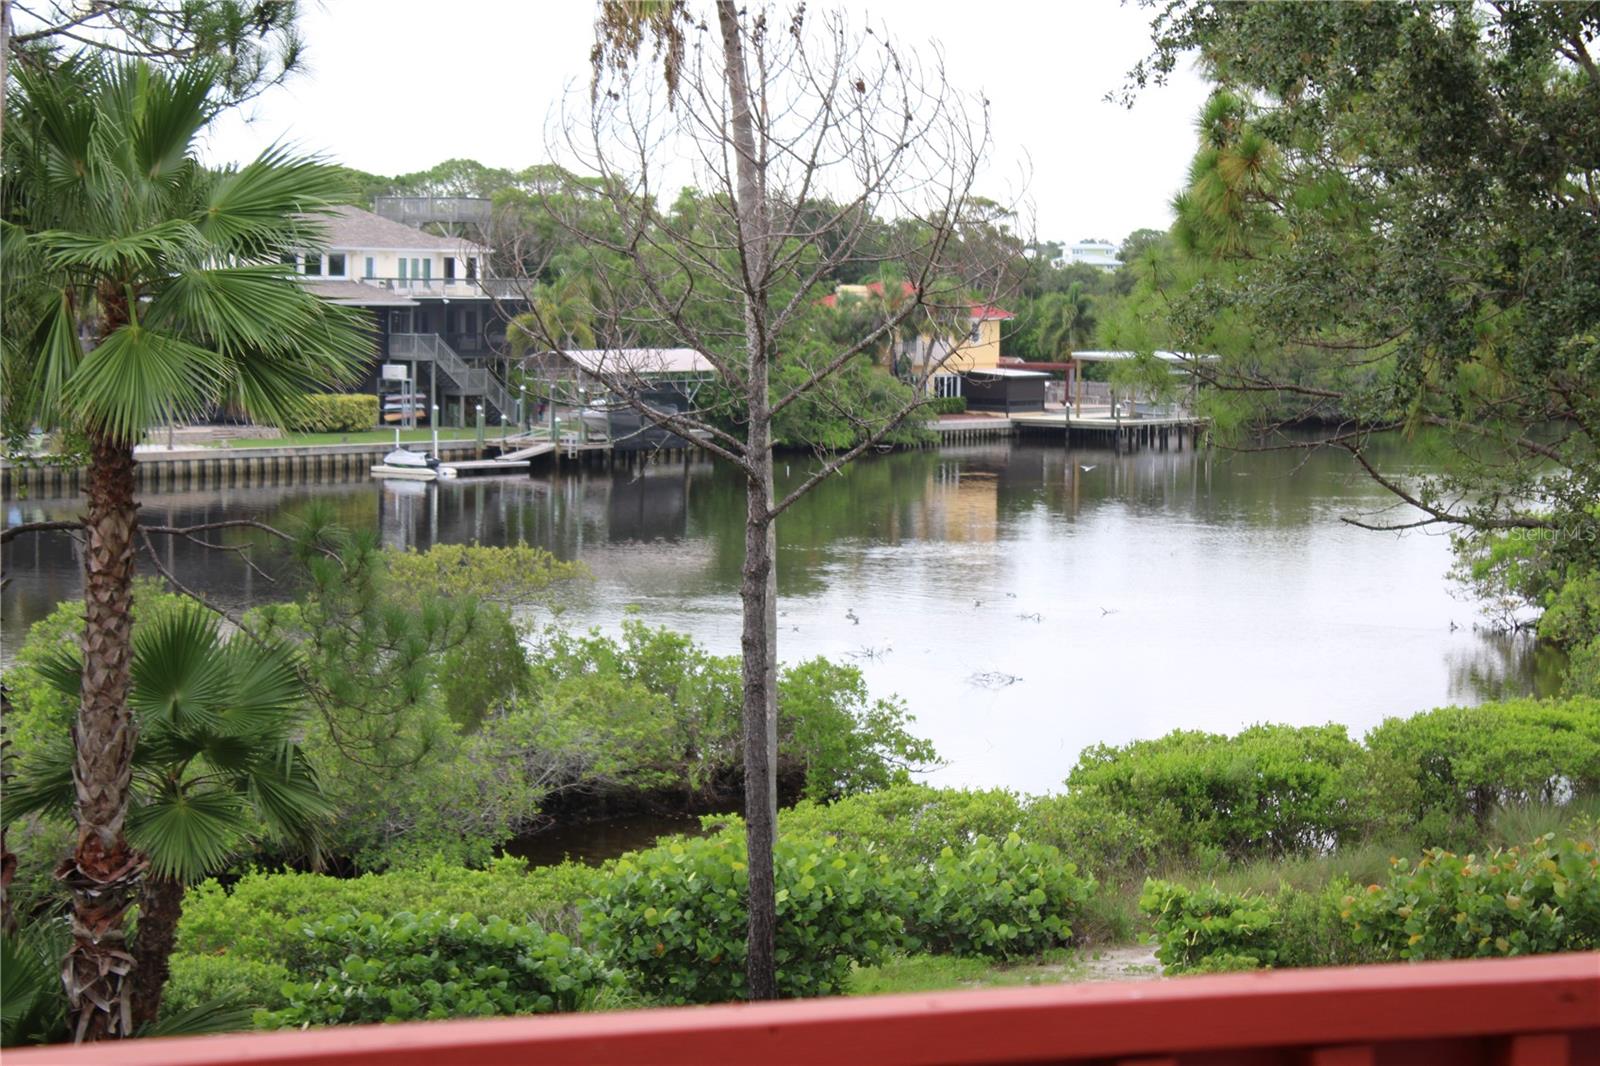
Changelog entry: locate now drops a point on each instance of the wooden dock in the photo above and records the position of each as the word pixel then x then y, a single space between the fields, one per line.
pixel 1124 433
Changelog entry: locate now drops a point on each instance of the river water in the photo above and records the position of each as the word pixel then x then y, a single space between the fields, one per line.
pixel 1024 600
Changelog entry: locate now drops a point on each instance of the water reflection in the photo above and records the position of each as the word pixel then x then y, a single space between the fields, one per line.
pixel 1130 594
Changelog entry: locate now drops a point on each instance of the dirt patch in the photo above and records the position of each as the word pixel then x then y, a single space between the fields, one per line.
pixel 1133 962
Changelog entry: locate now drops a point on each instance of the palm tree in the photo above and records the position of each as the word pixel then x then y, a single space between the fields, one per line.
pixel 1066 321
pixel 142 287
pixel 216 769
pixel 560 309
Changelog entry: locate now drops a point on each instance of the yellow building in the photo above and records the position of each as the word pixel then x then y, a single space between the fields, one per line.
pixel 950 357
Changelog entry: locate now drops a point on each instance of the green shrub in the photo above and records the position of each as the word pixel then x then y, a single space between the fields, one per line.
pixel 1466 761
pixel 1543 897
pixel 675 917
pixel 199 979
pixel 1271 790
pixel 1193 925
pixel 333 413
pixel 408 967
pixel 1093 827
pixel 263 916
pixel 998 899
pixel 948 405
pixel 910 824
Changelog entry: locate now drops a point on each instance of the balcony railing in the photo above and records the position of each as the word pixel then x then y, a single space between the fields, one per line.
pixel 1542 1011
pixel 455 288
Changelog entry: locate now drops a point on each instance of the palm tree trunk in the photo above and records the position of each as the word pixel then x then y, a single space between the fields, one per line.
pixel 103 870
pixel 160 905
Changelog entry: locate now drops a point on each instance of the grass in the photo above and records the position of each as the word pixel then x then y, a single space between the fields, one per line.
pixel 371 436
pixel 936 973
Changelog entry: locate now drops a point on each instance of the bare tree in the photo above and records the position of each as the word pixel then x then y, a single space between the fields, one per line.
pixel 804 146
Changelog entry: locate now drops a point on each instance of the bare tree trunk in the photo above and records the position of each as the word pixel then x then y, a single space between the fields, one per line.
pixel 758 641
pixel 759 587
pixel 160 905
pixel 103 871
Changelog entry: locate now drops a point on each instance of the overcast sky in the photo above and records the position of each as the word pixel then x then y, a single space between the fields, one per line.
pixel 393 86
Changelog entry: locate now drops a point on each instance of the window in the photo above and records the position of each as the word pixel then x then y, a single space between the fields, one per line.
pixel 313 264
pixel 472 268
pixel 427 269
pixel 336 264
pixel 449 268
pixel 402 269
pixel 371 266
pixel 290 259
pixel 424 324
pixel 946 385
pixel 977 331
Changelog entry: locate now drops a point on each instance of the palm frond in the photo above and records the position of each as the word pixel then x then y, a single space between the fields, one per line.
pixel 42 783
pixel 268 691
pixel 62 670
pixel 188 834
pixel 284 790
pixel 169 109
pixel 212 1016
pixel 138 378
pixel 272 205
pixel 56 354
pixel 181 676
pixel 119 253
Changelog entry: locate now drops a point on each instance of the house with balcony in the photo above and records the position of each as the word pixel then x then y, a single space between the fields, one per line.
pixel 433 308
pixel 1091 252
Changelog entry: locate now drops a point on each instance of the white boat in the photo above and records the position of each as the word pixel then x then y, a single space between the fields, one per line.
pixel 402 457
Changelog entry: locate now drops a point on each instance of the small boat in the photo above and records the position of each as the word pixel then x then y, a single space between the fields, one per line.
pixel 402 458
pixel 409 465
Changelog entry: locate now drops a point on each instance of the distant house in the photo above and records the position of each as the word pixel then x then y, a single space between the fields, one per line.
pixel 432 305
pixel 1095 253
pixel 954 356
pixel 601 381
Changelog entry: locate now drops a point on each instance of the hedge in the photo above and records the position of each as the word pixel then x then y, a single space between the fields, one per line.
pixel 333 413
pixel 948 405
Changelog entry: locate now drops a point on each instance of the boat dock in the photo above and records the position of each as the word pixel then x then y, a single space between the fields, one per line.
pixel 1101 427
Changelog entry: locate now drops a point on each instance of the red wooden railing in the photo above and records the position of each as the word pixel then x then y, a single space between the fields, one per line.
pixel 1517 1012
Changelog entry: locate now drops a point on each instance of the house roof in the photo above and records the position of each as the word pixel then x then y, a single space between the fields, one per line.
pixel 979 311
pixel 352 228
pixel 355 294
pixel 1004 372
pixel 639 362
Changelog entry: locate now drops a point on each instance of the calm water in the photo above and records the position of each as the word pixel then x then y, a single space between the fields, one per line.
pixel 1025 601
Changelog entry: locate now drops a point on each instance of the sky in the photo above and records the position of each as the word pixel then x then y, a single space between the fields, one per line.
pixel 394 86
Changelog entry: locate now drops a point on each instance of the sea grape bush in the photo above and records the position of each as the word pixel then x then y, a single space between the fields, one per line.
pixel 674 917
pixel 1000 899
pixel 1542 897
pixel 1201 926
pixel 263 915
pixel 408 967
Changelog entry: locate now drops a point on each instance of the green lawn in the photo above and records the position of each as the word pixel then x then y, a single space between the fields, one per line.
pixel 371 436
pixel 939 973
